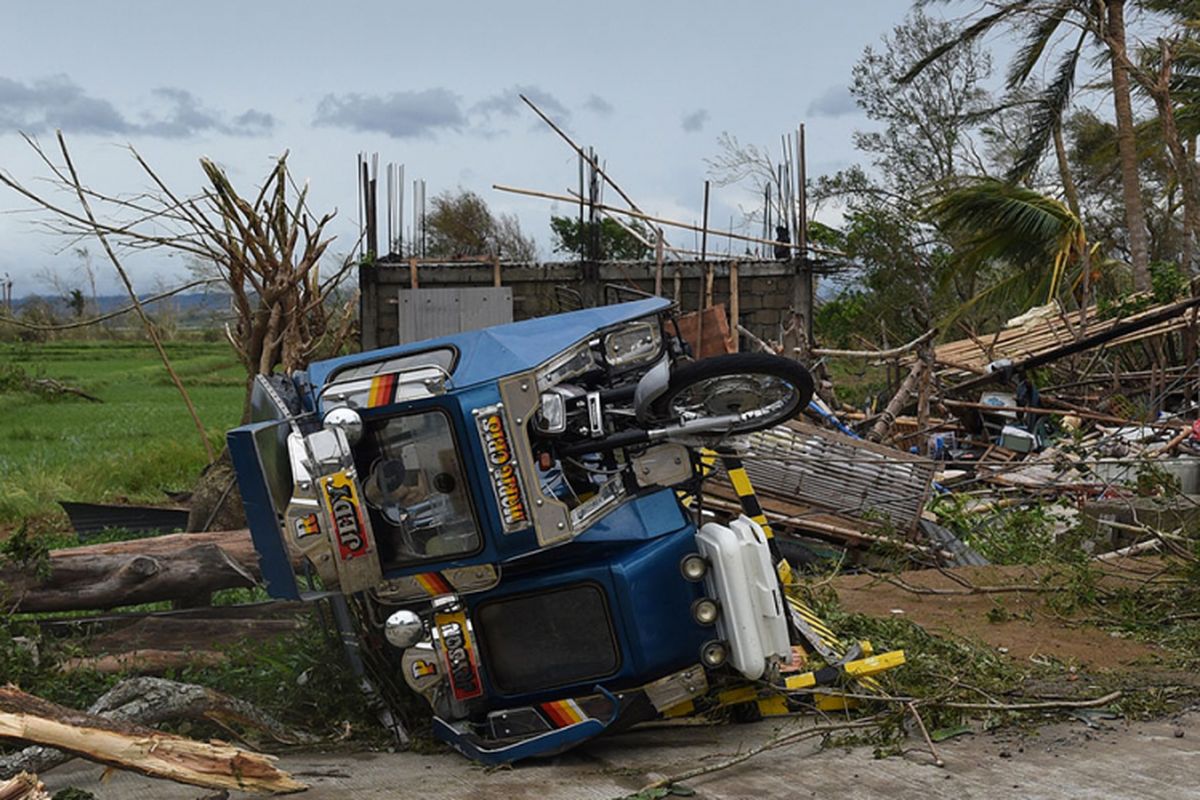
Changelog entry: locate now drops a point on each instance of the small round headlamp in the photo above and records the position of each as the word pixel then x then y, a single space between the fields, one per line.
pixel 694 567
pixel 705 611
pixel 713 654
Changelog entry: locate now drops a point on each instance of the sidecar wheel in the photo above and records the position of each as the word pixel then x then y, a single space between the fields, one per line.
pixel 769 389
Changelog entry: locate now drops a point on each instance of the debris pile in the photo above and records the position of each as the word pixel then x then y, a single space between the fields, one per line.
pixel 1087 416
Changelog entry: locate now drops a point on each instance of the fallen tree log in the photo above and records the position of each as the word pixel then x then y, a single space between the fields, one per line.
pixel 114 741
pixel 144 661
pixel 147 570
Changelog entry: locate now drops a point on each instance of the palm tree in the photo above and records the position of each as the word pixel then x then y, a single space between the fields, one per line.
pixel 1098 21
pixel 994 221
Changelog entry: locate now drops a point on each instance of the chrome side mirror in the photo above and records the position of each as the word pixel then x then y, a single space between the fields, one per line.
pixel 403 629
pixel 348 420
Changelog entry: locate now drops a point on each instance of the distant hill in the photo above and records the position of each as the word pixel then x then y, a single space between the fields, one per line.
pixel 197 307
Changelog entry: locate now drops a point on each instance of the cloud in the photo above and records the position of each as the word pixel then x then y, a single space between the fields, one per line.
pixel 695 121
pixel 508 103
pixel 836 101
pixel 58 102
pixel 183 115
pixel 401 115
pixel 598 105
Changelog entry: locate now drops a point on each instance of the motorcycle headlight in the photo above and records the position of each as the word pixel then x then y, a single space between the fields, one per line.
pixel 633 343
pixel 568 364
pixel 552 416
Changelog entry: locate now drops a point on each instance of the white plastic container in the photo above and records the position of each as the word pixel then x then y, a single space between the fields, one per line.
pixel 753 613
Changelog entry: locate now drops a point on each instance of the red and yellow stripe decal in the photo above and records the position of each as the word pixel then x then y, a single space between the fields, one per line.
pixel 382 390
pixel 562 713
pixel 433 584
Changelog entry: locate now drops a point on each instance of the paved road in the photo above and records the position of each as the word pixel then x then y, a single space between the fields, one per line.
pixel 1065 760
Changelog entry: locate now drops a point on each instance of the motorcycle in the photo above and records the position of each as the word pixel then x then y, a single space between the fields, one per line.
pixel 509 519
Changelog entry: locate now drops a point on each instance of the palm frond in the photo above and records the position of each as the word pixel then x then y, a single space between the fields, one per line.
pixel 991 221
pixel 1036 42
pixel 1048 114
pixel 965 37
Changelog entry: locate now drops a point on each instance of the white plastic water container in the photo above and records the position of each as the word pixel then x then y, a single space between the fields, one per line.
pixel 741 578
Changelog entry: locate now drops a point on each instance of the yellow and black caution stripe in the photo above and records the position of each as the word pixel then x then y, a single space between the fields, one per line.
pixel 745 492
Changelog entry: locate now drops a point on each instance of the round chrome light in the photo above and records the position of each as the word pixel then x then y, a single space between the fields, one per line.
pixel 705 611
pixel 693 566
pixel 713 654
pixel 403 629
pixel 348 420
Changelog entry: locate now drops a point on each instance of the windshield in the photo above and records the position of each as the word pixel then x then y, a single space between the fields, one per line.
pixel 414 489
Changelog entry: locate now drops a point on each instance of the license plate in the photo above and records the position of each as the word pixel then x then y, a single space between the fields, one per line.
pixel 458 650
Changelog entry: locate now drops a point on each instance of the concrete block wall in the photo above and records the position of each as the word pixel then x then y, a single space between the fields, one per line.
pixel 765 288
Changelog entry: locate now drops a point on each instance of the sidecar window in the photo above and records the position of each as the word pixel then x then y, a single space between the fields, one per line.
pixel 414 489
pixel 444 357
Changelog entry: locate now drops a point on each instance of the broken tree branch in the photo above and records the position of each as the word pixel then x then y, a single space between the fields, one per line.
pixel 125 745
pixel 151 331
pixel 152 701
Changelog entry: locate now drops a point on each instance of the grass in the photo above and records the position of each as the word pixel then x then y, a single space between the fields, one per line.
pixel 134 446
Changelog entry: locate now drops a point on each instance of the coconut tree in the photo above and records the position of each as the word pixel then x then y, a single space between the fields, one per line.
pixel 1045 23
pixel 994 222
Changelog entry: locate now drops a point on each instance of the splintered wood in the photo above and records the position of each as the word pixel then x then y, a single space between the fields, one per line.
pixel 23 787
pixel 214 765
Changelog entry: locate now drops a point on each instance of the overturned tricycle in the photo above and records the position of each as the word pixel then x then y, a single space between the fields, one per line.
pixel 511 520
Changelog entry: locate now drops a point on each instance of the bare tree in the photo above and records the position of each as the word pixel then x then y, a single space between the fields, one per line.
pixel 266 247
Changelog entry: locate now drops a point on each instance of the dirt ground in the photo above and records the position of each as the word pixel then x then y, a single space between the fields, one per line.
pixel 1021 622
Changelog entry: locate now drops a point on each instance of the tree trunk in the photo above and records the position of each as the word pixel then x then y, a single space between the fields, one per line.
pixel 1072 193
pixel 1131 190
pixel 140 571
pixel 125 745
pixel 1182 159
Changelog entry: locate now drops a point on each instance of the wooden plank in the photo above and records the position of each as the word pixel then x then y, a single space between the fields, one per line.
pixel 714 330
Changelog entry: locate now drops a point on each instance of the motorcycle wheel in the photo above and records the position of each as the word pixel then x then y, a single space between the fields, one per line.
pixel 772 389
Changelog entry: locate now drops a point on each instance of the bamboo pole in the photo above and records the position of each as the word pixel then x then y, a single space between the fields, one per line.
pixel 734 306
pixel 562 198
pixel 881 354
pixel 496 271
pixel 604 175
pixel 413 281
pixel 897 403
pixel 1059 412
pixel 658 262
pixel 151 331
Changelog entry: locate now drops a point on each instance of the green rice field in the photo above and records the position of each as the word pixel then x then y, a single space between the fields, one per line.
pixel 134 446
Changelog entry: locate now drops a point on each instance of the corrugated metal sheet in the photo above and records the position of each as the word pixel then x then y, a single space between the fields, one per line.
pixel 91 518
pixel 1041 330
pixel 429 313
pixel 835 473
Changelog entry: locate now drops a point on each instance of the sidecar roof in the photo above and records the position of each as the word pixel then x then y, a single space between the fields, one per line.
pixel 492 353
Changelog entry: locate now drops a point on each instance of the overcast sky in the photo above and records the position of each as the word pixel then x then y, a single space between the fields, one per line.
pixel 430 85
